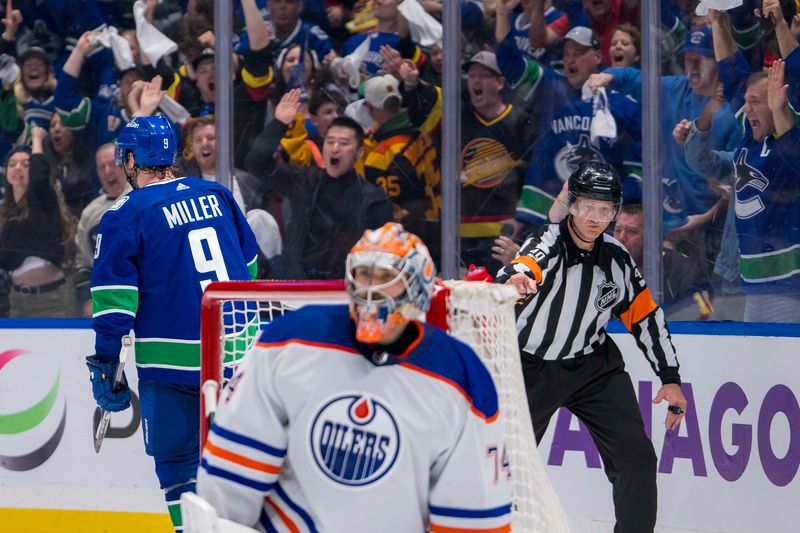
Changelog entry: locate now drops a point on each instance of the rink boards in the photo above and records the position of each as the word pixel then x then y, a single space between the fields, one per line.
pixel 732 466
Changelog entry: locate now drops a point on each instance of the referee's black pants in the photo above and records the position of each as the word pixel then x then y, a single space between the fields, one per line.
pixel 599 391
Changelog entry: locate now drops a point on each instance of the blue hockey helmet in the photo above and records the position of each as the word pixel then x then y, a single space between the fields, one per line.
pixel 152 141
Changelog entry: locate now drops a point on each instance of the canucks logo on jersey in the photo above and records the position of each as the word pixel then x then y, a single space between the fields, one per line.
pixel 748 176
pixel 355 440
pixel 571 156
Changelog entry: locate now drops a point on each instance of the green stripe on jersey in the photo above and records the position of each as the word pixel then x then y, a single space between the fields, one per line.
pixel 770 266
pixel 529 81
pixel 114 298
pixel 673 39
pixel 252 267
pixel 180 354
pixel 174 509
pixel 36 112
pixel 77 117
pixel 747 38
pixel 185 354
pixel 536 201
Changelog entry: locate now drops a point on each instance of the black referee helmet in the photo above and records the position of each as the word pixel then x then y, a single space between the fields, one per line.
pixel 596 180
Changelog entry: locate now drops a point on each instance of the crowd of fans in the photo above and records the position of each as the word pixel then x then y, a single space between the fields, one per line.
pixel 337 108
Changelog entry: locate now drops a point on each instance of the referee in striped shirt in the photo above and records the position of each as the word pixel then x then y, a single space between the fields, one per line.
pixel 572 279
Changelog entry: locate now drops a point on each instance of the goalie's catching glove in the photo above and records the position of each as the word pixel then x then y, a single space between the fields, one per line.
pixel 101 373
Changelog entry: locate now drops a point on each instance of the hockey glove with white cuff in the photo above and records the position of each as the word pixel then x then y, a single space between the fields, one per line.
pixel 101 373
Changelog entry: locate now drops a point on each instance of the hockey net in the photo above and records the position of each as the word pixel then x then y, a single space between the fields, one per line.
pixel 478 313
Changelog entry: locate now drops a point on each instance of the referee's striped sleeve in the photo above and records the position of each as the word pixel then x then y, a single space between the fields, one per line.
pixel 645 320
pixel 536 256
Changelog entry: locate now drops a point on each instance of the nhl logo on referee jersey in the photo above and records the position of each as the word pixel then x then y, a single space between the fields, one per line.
pixel 355 440
pixel 607 296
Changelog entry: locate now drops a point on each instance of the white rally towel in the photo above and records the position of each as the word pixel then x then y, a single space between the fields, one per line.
pixel 603 123
pixel 109 37
pixel 720 5
pixel 351 64
pixel 358 111
pixel 152 42
pixel 9 71
pixel 175 111
pixel 425 29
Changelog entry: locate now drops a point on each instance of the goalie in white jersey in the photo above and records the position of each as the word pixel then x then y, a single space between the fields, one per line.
pixel 361 419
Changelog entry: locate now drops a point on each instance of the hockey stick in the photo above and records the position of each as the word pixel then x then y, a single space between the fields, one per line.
pixel 210 392
pixel 105 416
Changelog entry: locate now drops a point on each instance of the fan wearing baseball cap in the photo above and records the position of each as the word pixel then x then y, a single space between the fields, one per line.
pixel 495 140
pixel 581 58
pixel 699 63
pixel 402 160
pixel 684 99
pixel 565 137
pixel 583 36
pixel 582 55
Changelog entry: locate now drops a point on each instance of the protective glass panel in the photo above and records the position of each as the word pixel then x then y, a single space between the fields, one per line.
pixel 545 87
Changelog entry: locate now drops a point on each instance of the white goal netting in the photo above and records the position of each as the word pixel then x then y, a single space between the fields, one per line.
pixel 482 315
pixel 478 313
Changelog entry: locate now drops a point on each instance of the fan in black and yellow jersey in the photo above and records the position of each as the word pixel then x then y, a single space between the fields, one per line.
pixel 485 163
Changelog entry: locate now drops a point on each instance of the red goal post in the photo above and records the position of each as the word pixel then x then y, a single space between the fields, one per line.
pixel 478 313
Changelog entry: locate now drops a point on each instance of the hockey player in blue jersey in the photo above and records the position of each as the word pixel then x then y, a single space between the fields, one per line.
pixel 157 248
pixel 367 421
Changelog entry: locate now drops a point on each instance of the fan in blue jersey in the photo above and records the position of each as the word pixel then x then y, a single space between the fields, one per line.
pixel 767 181
pixel 517 13
pixel 288 28
pixel 157 248
pixel 564 138
pixel 368 421
pixel 685 96
pixel 391 30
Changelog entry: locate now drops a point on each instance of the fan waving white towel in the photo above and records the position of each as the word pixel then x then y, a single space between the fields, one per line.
pixel 152 42
pixel 110 38
pixel 603 123
pixel 719 5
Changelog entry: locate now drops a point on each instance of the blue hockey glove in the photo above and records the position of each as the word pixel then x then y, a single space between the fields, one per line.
pixel 101 373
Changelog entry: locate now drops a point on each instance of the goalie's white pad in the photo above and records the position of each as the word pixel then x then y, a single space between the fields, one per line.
pixel 200 517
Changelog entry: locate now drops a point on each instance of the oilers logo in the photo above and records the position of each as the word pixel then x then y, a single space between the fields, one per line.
pixel 355 440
